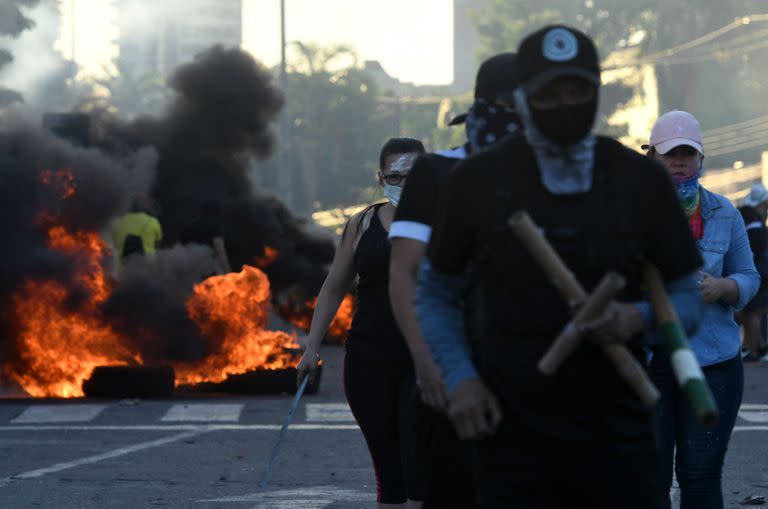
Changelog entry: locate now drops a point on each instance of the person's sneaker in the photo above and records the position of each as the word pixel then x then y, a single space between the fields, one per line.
pixel 751 358
pixel 764 358
pixel 744 354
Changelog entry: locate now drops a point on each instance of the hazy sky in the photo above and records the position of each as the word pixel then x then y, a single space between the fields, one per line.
pixel 413 39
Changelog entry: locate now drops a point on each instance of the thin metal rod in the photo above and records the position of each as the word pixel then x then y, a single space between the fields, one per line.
pixel 276 448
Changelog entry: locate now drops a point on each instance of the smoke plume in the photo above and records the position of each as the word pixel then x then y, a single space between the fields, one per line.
pixel 220 116
pixel 196 153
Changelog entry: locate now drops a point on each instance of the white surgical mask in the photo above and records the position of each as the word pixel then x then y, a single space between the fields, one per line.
pixel 392 193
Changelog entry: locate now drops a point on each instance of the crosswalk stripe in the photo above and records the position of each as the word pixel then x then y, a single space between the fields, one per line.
pixel 753 406
pixel 759 416
pixel 329 412
pixel 38 414
pixel 193 412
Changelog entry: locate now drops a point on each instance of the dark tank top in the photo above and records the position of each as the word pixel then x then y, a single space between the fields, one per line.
pixel 374 332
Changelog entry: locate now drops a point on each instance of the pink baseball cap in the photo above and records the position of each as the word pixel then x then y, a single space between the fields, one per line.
pixel 673 129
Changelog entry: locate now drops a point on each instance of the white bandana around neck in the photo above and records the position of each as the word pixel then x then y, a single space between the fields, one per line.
pixel 563 169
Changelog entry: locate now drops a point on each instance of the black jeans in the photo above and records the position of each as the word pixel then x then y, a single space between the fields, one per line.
pixel 534 473
pixel 378 393
pixel 700 452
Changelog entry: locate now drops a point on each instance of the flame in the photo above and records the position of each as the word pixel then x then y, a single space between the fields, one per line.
pixel 58 342
pixel 337 330
pixel 236 307
pixel 62 336
pixel 269 257
pixel 63 181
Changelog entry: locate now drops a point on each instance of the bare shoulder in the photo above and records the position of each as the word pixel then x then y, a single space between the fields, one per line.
pixel 357 224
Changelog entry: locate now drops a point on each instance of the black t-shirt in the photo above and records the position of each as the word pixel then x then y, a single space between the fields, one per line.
pixel 630 214
pixel 417 209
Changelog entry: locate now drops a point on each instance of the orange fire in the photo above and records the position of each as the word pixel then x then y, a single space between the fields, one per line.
pixel 60 342
pixel 268 258
pixel 62 180
pixel 235 307
pixel 62 335
pixel 340 324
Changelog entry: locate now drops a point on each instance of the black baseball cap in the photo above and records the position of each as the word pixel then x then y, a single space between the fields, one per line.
pixel 497 75
pixel 554 51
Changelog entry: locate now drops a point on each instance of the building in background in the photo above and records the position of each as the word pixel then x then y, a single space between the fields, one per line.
pixel 159 36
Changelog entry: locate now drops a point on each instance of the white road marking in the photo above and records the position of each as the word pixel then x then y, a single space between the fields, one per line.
pixel 315 497
pixel 203 412
pixel 329 412
pixel 753 406
pixel 758 416
pixel 750 428
pixel 58 413
pixel 33 474
pixel 184 427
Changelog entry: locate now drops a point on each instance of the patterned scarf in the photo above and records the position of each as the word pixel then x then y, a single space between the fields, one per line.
pixel 690 199
pixel 488 123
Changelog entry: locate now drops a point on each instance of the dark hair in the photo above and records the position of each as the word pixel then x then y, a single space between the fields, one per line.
pixel 402 145
pixel 399 146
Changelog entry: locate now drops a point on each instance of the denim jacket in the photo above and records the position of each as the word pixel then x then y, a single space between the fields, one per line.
pixel 724 247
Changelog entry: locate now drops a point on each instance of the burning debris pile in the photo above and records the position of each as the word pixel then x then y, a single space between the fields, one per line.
pixel 60 313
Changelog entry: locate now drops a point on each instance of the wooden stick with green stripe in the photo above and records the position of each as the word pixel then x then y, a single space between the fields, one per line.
pixel 684 364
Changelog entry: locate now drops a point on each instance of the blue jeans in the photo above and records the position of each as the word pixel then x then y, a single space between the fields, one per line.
pixel 700 452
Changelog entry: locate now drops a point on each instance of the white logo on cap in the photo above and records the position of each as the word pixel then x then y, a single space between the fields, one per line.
pixel 560 45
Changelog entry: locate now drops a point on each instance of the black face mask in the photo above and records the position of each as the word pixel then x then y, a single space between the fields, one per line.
pixel 566 125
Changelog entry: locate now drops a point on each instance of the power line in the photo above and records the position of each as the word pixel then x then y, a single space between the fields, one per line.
pixel 698 41
pixel 736 148
pixel 665 56
pixel 735 133
pixel 746 123
pixel 716 54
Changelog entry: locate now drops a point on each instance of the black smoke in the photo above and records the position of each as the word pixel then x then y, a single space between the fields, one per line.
pixel 29 207
pixel 197 151
pixel 220 117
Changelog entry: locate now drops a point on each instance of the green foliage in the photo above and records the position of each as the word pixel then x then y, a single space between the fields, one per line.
pixel 120 91
pixel 503 23
pixel 337 127
pixel 719 87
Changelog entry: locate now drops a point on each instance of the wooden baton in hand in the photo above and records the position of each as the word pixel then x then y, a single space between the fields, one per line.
pixel 564 280
pixel 571 336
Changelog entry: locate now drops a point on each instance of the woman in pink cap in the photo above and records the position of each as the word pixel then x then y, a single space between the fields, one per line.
pixel 728 282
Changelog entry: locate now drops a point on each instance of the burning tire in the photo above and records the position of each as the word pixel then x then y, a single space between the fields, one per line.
pixel 130 382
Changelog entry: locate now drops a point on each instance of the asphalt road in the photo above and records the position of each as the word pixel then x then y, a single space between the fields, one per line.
pixel 210 452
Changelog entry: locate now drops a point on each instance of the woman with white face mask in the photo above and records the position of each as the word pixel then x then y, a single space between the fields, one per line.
pixel 727 282
pixel 378 372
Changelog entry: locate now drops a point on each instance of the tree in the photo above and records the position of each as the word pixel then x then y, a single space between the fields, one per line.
pixel 336 129
pixel 688 81
pixel 503 23
pixel 123 92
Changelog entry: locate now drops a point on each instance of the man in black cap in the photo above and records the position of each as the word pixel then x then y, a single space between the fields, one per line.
pixel 489 120
pixel 580 438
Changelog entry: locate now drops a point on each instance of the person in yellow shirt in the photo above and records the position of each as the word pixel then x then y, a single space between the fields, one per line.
pixel 136 233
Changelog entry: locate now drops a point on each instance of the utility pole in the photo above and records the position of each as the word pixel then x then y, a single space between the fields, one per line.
pixel 285 170
pixel 73 26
